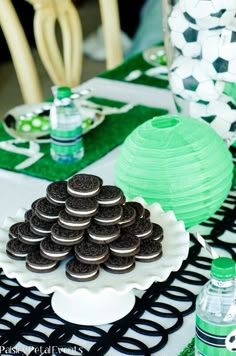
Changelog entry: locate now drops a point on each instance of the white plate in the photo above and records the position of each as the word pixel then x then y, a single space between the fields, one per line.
pixel 113 290
pixel 13 116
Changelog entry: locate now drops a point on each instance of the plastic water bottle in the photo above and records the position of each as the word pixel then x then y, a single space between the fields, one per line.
pixel 66 128
pixel 216 312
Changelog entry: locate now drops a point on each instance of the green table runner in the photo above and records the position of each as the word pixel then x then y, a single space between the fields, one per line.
pixel 98 142
pixel 135 63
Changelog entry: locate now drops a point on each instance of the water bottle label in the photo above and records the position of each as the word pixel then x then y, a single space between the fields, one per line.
pixel 213 340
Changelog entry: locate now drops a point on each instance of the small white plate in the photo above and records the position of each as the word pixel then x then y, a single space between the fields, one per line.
pixel 12 117
pixel 110 296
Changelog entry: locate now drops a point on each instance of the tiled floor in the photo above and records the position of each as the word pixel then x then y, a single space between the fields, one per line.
pixel 10 94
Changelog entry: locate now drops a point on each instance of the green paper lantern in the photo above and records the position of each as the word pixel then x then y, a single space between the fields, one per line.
pixel 179 162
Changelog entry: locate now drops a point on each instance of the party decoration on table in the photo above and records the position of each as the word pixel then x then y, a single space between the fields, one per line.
pixel 119 119
pixel 180 162
pixel 88 224
pixel 202 33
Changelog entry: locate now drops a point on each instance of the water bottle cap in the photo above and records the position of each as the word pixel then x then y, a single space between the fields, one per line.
pixel 223 268
pixel 63 92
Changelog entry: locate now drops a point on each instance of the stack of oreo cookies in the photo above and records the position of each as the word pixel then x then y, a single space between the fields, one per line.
pixel 87 224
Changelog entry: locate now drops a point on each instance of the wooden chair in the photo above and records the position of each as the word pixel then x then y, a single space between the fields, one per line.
pixel 20 52
pixel 62 62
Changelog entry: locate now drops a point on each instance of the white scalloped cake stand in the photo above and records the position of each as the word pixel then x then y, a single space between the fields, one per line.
pixel 110 296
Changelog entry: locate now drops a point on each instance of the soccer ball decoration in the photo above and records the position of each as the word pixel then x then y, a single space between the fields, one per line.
pixel 189 82
pixel 219 55
pixel 203 32
pixel 208 14
pixel 184 37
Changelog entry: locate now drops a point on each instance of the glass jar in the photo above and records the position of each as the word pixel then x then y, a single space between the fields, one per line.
pixel 200 45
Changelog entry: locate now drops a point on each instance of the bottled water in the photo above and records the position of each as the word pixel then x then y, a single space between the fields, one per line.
pixel 66 128
pixel 216 312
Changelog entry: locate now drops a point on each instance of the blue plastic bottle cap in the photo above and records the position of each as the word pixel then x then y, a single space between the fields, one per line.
pixel 223 268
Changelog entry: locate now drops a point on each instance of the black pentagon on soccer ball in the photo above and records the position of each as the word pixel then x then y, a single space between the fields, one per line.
pixel 218 14
pixel 233 127
pixel 190 83
pixel 189 18
pixel 232 338
pixel 190 35
pixel 221 65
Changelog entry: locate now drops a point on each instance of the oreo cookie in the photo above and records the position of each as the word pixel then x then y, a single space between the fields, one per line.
pixel 57 192
pixel 18 250
pixel 128 216
pixel 110 195
pixel 150 250
pixel 108 215
pixel 47 210
pixel 146 214
pixel 53 251
pixel 81 206
pixel 117 264
pixel 90 252
pixel 81 272
pixel 28 214
pixel 103 233
pixel 35 262
pixel 27 236
pixel 157 232
pixel 140 211
pixel 72 222
pixel 40 226
pixel 142 228
pixel 125 245
pixel 13 232
pixel 33 205
pixel 66 237
pixel 84 185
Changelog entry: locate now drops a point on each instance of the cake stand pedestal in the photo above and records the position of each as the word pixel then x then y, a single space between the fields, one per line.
pixel 110 296
pixel 93 309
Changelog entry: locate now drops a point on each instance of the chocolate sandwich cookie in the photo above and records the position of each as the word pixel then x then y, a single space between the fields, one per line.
pixel 72 222
pixel 128 216
pixel 53 251
pixel 57 192
pixel 150 250
pixel 81 206
pixel 28 214
pixel 18 250
pixel 103 233
pixel 125 245
pixel 157 232
pixel 13 232
pixel 117 264
pixel 108 215
pixel 40 226
pixel 47 210
pixel 110 195
pixel 27 236
pixel 142 228
pixel 81 272
pixel 84 185
pixel 66 237
pixel 33 205
pixel 140 211
pixel 90 252
pixel 35 262
pixel 146 214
